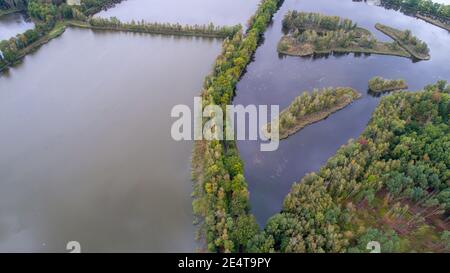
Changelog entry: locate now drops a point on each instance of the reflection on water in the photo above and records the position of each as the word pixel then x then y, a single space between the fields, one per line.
pixel 13 24
pixel 86 153
pixel 275 79
pixel 219 12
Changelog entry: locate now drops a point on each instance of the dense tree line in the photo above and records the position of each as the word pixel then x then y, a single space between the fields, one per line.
pixel 423 7
pixel 166 28
pixel 403 155
pixel 378 84
pixel 45 14
pixel 312 107
pixel 221 195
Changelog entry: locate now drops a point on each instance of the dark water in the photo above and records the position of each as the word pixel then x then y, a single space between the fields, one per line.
pixel 13 24
pixel 219 12
pixel 272 79
pixel 86 152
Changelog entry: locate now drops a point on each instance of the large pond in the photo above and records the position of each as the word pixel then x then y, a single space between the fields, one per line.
pixel 13 24
pixel 274 79
pixel 86 152
pixel 219 12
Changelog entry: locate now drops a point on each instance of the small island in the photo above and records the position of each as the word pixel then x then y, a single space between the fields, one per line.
pixel 406 40
pixel 310 108
pixel 380 85
pixel 310 33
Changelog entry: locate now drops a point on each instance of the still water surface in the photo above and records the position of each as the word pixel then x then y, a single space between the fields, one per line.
pixel 86 152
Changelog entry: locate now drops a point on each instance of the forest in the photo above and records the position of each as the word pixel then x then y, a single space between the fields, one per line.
pixel 309 33
pixel 417 48
pixel 379 85
pixel 312 107
pixel 390 185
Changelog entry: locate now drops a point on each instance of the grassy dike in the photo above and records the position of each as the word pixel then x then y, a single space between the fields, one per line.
pixel 221 198
pixel 307 109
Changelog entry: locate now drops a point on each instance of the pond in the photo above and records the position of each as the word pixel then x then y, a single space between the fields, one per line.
pixel 275 79
pixel 219 12
pixel 87 153
pixel 13 24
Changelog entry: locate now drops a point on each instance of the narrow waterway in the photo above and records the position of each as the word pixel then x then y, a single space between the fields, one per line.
pixel 275 79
